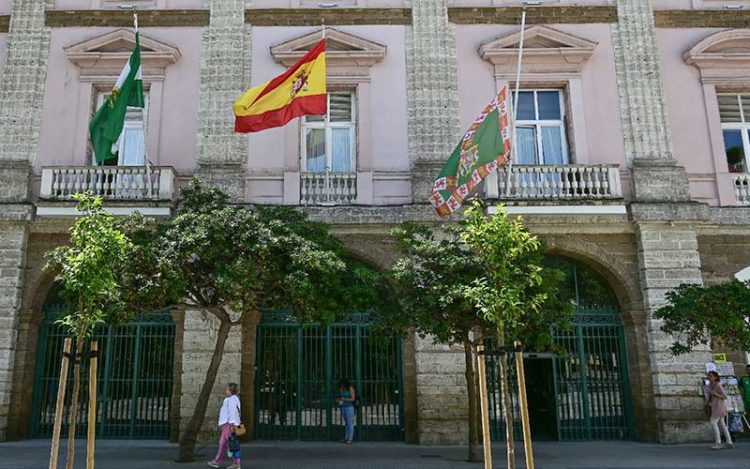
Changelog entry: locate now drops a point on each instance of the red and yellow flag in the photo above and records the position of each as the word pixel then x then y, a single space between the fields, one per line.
pixel 300 91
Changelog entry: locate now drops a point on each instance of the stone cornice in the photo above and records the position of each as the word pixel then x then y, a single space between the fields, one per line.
pixel 540 15
pixel 124 18
pixel 342 49
pixel 702 18
pixel 331 17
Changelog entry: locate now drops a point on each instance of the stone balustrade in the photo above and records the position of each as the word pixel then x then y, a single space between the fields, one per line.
pixel 742 188
pixel 328 188
pixel 556 182
pixel 109 182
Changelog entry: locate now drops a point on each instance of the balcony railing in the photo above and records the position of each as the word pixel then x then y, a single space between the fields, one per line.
pixel 109 182
pixel 557 182
pixel 328 188
pixel 742 188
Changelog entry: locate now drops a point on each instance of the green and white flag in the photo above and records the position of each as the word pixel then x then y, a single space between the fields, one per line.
pixel 108 122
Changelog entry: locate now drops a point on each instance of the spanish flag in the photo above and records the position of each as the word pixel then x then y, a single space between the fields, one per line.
pixel 300 91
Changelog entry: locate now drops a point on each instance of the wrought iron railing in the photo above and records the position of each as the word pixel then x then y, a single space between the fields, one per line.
pixel 109 182
pixel 742 188
pixel 328 188
pixel 555 182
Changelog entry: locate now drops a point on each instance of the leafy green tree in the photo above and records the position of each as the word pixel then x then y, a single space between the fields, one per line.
pixel 448 288
pixel 88 270
pixel 695 315
pixel 514 293
pixel 232 261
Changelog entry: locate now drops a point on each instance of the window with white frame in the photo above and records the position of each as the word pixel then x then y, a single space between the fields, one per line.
pixel 329 142
pixel 734 110
pixel 132 143
pixel 540 128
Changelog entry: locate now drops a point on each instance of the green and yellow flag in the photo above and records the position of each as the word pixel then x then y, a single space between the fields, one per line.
pixel 484 148
pixel 108 122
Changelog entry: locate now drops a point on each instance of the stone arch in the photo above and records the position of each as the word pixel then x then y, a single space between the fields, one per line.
pixel 377 252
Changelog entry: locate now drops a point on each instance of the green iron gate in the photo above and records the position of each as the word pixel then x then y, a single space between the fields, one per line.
pixel 585 388
pixel 297 374
pixel 135 378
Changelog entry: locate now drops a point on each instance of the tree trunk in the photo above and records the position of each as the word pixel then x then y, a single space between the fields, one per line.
pixel 74 403
pixel 505 401
pixel 471 392
pixel 189 436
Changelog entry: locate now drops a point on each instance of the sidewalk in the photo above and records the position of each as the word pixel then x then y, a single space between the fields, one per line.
pixel 34 454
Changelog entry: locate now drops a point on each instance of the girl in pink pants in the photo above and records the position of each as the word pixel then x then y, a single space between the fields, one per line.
pixel 229 417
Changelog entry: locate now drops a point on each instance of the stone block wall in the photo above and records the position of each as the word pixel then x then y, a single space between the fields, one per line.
pixel 198 341
pixel 723 255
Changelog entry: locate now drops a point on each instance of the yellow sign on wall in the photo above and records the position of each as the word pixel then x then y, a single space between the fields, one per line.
pixel 720 358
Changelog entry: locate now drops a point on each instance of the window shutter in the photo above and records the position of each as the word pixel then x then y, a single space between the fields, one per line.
pixel 340 107
pixel 729 108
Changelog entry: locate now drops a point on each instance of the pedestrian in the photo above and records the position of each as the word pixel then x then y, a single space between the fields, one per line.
pixel 744 385
pixel 229 420
pixel 347 397
pixel 717 403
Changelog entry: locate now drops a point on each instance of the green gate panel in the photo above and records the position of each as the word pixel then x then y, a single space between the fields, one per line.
pixel 297 375
pixel 135 369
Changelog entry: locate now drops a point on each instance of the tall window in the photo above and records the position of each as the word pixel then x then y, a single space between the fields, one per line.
pixel 734 110
pixel 540 128
pixel 328 142
pixel 132 143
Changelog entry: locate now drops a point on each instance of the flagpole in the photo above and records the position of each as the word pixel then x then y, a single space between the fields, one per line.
pixel 514 147
pixel 144 127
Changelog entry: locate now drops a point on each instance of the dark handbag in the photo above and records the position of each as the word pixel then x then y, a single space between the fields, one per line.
pixel 234 443
pixel 707 409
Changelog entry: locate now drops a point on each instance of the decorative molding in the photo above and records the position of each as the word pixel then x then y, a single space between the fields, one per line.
pixel 712 18
pixel 342 49
pixel 124 18
pixel 541 15
pixel 545 50
pixel 106 54
pixel 334 17
pixel 722 58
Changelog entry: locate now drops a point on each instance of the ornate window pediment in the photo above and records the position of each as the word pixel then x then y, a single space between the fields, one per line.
pixel 722 58
pixel 544 50
pixel 106 54
pixel 342 49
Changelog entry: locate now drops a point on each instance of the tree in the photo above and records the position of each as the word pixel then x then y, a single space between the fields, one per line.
pixel 514 293
pixel 443 287
pixel 695 315
pixel 232 261
pixel 88 271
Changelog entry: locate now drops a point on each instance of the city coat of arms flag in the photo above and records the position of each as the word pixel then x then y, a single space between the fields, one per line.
pixel 299 91
pixel 483 148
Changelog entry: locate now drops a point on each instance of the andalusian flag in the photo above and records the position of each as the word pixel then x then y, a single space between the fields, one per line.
pixel 106 125
pixel 300 91
pixel 484 148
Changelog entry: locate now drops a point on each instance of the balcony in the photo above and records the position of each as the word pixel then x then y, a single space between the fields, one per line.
pixel 556 182
pixel 742 188
pixel 115 183
pixel 328 188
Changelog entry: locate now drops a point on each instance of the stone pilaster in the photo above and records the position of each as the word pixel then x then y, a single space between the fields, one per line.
pixel 222 154
pixel 646 134
pixel 198 342
pixel 432 92
pixel 442 404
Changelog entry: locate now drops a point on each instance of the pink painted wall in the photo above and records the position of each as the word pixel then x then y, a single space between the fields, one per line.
pixel 4 7
pixel 687 110
pixel 477 86
pixel 515 3
pixel 64 123
pixel 340 3
pixel 141 4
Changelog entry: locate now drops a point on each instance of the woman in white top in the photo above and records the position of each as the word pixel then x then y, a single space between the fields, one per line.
pixel 229 418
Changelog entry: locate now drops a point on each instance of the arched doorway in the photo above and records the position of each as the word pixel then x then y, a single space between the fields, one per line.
pixel 582 391
pixel 298 368
pixel 135 376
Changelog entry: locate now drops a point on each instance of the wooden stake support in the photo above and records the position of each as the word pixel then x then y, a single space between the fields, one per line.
pixel 91 436
pixel 526 424
pixel 60 404
pixel 484 407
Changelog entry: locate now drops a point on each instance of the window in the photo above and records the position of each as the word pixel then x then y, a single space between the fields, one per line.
pixel 328 142
pixel 540 128
pixel 734 110
pixel 132 144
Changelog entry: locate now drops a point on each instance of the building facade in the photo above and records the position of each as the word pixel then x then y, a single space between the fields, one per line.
pixel 633 142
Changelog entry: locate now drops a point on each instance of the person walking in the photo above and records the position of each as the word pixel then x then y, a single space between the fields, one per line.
pixel 717 403
pixel 346 399
pixel 229 419
pixel 744 385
